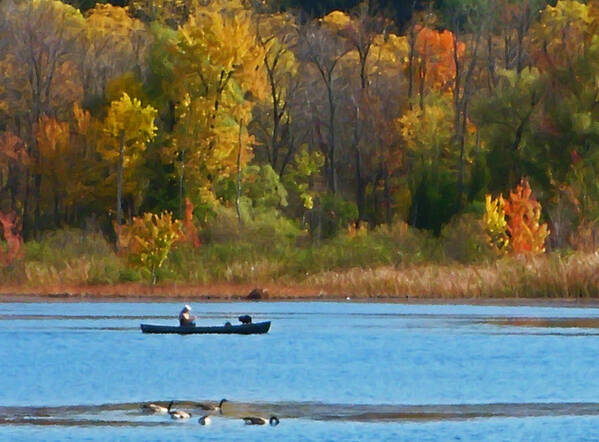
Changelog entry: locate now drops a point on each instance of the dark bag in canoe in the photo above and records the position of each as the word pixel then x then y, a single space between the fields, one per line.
pixel 245 319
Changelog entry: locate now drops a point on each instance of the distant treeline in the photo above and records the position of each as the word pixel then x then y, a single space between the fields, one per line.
pixel 326 114
pixel 400 10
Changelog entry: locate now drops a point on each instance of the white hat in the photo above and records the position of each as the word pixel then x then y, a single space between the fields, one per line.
pixel 187 307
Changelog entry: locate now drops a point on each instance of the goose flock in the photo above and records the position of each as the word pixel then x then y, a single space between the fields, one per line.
pixel 206 419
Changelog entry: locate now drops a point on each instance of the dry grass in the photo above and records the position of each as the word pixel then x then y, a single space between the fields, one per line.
pixel 548 276
pixel 526 277
pixel 140 291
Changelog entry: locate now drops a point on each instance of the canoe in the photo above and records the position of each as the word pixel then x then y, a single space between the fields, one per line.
pixel 242 329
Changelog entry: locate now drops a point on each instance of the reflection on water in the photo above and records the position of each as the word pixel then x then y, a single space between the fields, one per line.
pixel 546 322
pixel 328 370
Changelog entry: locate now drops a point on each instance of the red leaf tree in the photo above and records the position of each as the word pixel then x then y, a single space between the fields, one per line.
pixel 190 231
pixel 11 231
pixel 523 214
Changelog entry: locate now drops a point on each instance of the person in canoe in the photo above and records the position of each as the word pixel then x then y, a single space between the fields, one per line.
pixel 185 319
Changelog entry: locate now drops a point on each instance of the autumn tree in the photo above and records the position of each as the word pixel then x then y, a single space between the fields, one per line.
pixel 10 231
pixel 495 224
pixel 217 78
pixel 514 223
pixel 413 63
pixel 273 118
pixel 323 48
pixel 435 70
pixel 128 128
pixel 44 36
pixel 372 97
pixel 55 160
pixel 507 36
pixel 148 240
pixel 88 192
pixel 468 21
pixel 113 44
pixel 13 163
pixel 523 212
pixel 172 13
pixel 40 74
pixel 428 140
pixel 189 230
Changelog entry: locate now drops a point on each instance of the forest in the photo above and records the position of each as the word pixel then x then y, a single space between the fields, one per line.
pixel 336 144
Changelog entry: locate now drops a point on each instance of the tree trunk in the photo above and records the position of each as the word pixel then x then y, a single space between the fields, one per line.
pixel 360 186
pixel 26 223
pixel 273 152
pixel 411 58
pixel 387 197
pixel 119 185
pixel 422 76
pixel 359 180
pixel 56 210
pixel 37 184
pixel 181 180
pixel 332 171
pixel 238 197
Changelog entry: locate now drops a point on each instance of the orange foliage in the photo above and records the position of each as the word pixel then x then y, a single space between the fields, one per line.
pixel 54 148
pixel 435 51
pixel 523 213
pixel 12 148
pixel 11 228
pixel 190 232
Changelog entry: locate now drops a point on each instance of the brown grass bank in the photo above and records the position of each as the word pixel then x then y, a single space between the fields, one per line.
pixel 547 276
pixel 551 276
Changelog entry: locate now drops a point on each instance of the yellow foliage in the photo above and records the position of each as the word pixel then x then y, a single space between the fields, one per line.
pixel 40 39
pixel 126 83
pixel 56 156
pixel 496 224
pixel 148 240
pixel 515 222
pixel 560 35
pixel 565 12
pixel 428 134
pixel 337 20
pixel 127 128
pixel 217 78
pixel 130 124
pixel 114 43
pixel 361 231
pixel 108 24
pixel 165 11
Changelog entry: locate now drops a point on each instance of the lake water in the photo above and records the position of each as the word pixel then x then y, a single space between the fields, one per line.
pixel 329 371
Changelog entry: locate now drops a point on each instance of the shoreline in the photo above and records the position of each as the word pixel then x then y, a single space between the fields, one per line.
pixel 538 281
pixel 127 293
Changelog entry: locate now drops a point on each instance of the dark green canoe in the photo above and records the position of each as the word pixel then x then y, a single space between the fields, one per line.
pixel 243 329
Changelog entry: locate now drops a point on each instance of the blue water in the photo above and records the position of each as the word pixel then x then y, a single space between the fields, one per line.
pixel 331 371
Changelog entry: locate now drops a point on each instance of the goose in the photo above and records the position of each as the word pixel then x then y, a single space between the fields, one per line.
pixel 210 407
pixel 205 420
pixel 177 414
pixel 153 409
pixel 273 421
